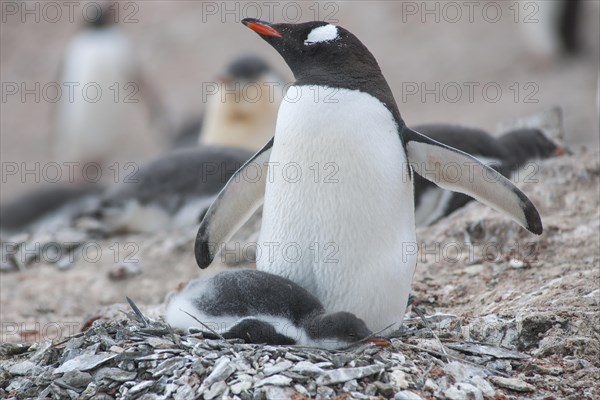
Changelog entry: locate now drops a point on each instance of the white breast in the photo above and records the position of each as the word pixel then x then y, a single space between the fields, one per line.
pixel 338 212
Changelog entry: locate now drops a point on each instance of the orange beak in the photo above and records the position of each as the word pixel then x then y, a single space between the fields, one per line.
pixel 261 27
pixel 561 151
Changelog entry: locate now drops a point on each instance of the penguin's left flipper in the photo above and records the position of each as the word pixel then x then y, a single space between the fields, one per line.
pixel 457 171
pixel 242 195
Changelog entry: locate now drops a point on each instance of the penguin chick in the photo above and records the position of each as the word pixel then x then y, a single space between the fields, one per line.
pixel 262 308
pixel 173 190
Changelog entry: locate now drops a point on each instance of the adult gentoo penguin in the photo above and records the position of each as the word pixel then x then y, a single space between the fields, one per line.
pixel 347 235
pixel 101 115
pixel 262 308
pixel 506 154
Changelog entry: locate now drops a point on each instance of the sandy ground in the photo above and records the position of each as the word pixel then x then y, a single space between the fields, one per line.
pixel 181 45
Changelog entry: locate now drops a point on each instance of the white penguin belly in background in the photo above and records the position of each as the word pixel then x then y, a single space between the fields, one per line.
pixel 88 127
pixel 346 229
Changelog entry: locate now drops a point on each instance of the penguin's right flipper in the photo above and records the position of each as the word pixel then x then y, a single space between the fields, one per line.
pixel 455 170
pixel 240 198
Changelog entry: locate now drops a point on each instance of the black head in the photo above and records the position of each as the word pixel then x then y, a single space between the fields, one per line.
pixel 247 68
pixel 105 15
pixel 337 329
pixel 317 48
pixel 528 144
pixel 319 53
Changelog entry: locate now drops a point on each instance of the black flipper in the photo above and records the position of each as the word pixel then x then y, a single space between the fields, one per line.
pixel 240 198
pixel 457 171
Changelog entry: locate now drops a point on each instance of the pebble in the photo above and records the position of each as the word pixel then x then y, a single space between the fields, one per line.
pixel 461 391
pixel 483 385
pixel 114 374
pixel 89 392
pixel 77 379
pixel 307 368
pixel 385 389
pixel 140 387
pixel 398 379
pixel 351 386
pixel 124 270
pixel 275 380
pixel 302 390
pixel 11 349
pixel 184 392
pixel 324 392
pixel 516 264
pixel 512 383
pixel 216 390
pixel 431 386
pixel 407 395
pixel 370 389
pixel 239 387
pixel 222 370
pixel 277 368
pixel 494 351
pixel 278 393
pixel 346 374
pixel 84 362
pixel 293 357
pixel 24 368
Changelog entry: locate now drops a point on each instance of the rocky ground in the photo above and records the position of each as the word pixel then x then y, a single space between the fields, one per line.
pixel 511 315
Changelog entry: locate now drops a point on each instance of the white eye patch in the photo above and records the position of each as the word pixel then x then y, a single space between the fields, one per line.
pixel 322 34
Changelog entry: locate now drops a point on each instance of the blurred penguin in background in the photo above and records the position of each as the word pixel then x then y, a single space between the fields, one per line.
pixel 98 119
pixel 243 109
pixel 524 140
pixel 175 189
pixel 102 122
pixel 172 191
pixel 552 27
pixel 48 207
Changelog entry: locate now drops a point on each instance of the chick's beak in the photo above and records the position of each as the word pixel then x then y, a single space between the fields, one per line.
pixel 561 151
pixel 263 28
pixel 380 341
